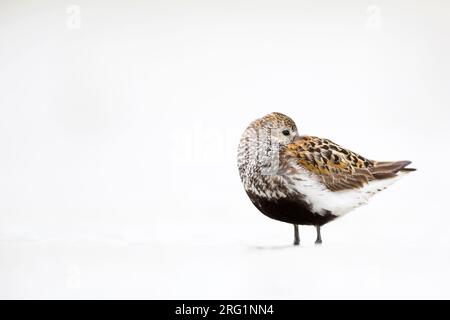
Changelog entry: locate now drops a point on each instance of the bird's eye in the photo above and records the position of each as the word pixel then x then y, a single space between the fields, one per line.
pixel 285 132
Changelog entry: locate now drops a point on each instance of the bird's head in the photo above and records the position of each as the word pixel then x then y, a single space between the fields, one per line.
pixel 261 142
pixel 264 138
pixel 278 128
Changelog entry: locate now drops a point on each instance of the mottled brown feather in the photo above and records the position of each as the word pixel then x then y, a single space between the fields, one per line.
pixel 337 167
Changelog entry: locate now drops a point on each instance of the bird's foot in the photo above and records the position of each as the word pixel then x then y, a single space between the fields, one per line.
pixel 296 242
pixel 318 242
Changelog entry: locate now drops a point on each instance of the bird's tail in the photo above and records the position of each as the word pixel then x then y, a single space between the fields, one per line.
pixel 390 169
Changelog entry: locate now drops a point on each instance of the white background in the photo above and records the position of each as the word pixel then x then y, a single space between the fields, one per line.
pixel 119 126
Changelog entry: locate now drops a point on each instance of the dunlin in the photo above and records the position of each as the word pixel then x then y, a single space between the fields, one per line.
pixel 306 180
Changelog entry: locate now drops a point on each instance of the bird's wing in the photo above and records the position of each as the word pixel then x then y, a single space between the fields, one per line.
pixel 337 167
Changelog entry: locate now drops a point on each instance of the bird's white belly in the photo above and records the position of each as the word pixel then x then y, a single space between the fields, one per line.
pixel 322 200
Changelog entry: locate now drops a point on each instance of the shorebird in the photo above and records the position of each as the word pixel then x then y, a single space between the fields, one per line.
pixel 306 180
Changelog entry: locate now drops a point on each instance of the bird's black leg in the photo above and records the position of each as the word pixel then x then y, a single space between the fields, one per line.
pixel 296 236
pixel 319 237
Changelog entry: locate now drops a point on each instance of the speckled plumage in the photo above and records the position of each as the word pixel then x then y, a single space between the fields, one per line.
pixel 303 179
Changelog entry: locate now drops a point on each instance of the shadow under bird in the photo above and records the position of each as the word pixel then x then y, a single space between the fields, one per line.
pixel 305 180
